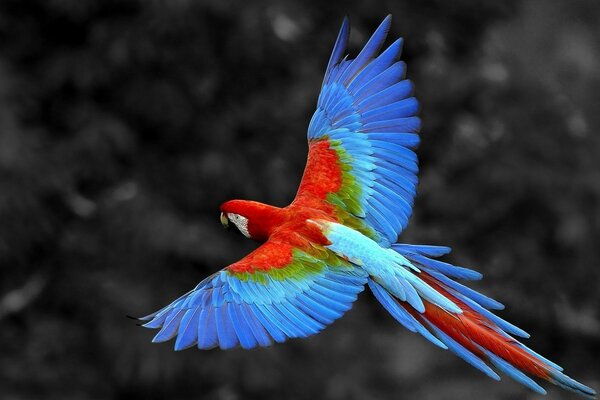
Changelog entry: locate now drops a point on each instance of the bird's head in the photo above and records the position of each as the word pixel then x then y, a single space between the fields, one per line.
pixel 252 219
pixel 235 215
pixel 238 222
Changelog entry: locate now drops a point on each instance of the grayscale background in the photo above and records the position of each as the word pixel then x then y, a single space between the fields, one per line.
pixel 124 124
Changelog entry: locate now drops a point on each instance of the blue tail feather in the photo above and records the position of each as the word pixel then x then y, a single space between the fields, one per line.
pixel 513 372
pixel 572 385
pixel 464 353
pixel 400 314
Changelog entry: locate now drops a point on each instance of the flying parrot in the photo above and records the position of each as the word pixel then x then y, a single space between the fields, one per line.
pixel 340 233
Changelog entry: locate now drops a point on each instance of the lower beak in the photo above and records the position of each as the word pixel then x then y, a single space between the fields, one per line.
pixel 224 221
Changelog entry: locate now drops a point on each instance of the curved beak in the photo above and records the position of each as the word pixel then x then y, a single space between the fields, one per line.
pixel 224 221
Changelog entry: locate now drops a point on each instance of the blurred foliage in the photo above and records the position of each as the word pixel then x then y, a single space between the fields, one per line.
pixel 124 124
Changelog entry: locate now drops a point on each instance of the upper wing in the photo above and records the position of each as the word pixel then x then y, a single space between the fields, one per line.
pixel 361 139
pixel 286 288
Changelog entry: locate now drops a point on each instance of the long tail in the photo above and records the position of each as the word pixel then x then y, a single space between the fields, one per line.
pixel 476 335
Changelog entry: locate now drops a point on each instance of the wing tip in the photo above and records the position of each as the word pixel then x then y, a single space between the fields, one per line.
pixel 339 47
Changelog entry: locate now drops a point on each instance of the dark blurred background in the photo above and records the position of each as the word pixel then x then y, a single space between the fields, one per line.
pixel 124 124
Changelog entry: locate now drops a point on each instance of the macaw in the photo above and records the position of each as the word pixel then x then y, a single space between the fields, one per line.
pixel 340 233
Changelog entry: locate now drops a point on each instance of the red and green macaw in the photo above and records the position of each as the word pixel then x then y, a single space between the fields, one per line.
pixel 340 233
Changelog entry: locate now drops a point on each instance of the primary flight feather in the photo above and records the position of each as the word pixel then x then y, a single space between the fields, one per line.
pixel 340 233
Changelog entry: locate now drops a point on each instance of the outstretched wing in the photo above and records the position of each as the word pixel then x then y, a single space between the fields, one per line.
pixel 281 290
pixel 361 164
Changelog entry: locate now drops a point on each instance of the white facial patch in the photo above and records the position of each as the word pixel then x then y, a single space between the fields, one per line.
pixel 240 222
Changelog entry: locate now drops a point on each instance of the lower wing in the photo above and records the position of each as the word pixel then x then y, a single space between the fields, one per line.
pixel 281 290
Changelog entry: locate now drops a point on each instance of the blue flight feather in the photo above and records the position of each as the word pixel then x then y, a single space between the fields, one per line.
pixel 290 320
pixel 403 108
pixel 188 329
pixel 276 333
pixel 333 294
pixel 395 92
pixel 409 140
pixel 379 202
pixel 387 78
pixel 409 124
pixel 207 330
pixel 261 334
pixel 398 159
pixel 225 331
pixel 372 46
pixel 169 329
pixel 317 312
pixel 398 151
pixel 402 203
pixel 338 48
pixel 244 333
pixel 384 225
pixel 157 322
pixel 399 175
pixel 377 66
pixel 275 318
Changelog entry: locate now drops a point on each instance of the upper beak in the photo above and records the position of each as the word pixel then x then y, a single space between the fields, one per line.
pixel 224 221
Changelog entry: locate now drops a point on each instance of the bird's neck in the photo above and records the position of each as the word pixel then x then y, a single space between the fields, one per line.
pixel 263 219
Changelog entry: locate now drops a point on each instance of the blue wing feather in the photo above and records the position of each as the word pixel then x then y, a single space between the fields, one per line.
pixel 188 329
pixel 225 330
pixel 274 331
pixel 169 328
pixel 377 66
pixel 402 108
pixel 368 52
pixel 260 332
pixel 384 80
pixel 242 330
pixel 395 92
pixel 339 48
pixel 207 330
